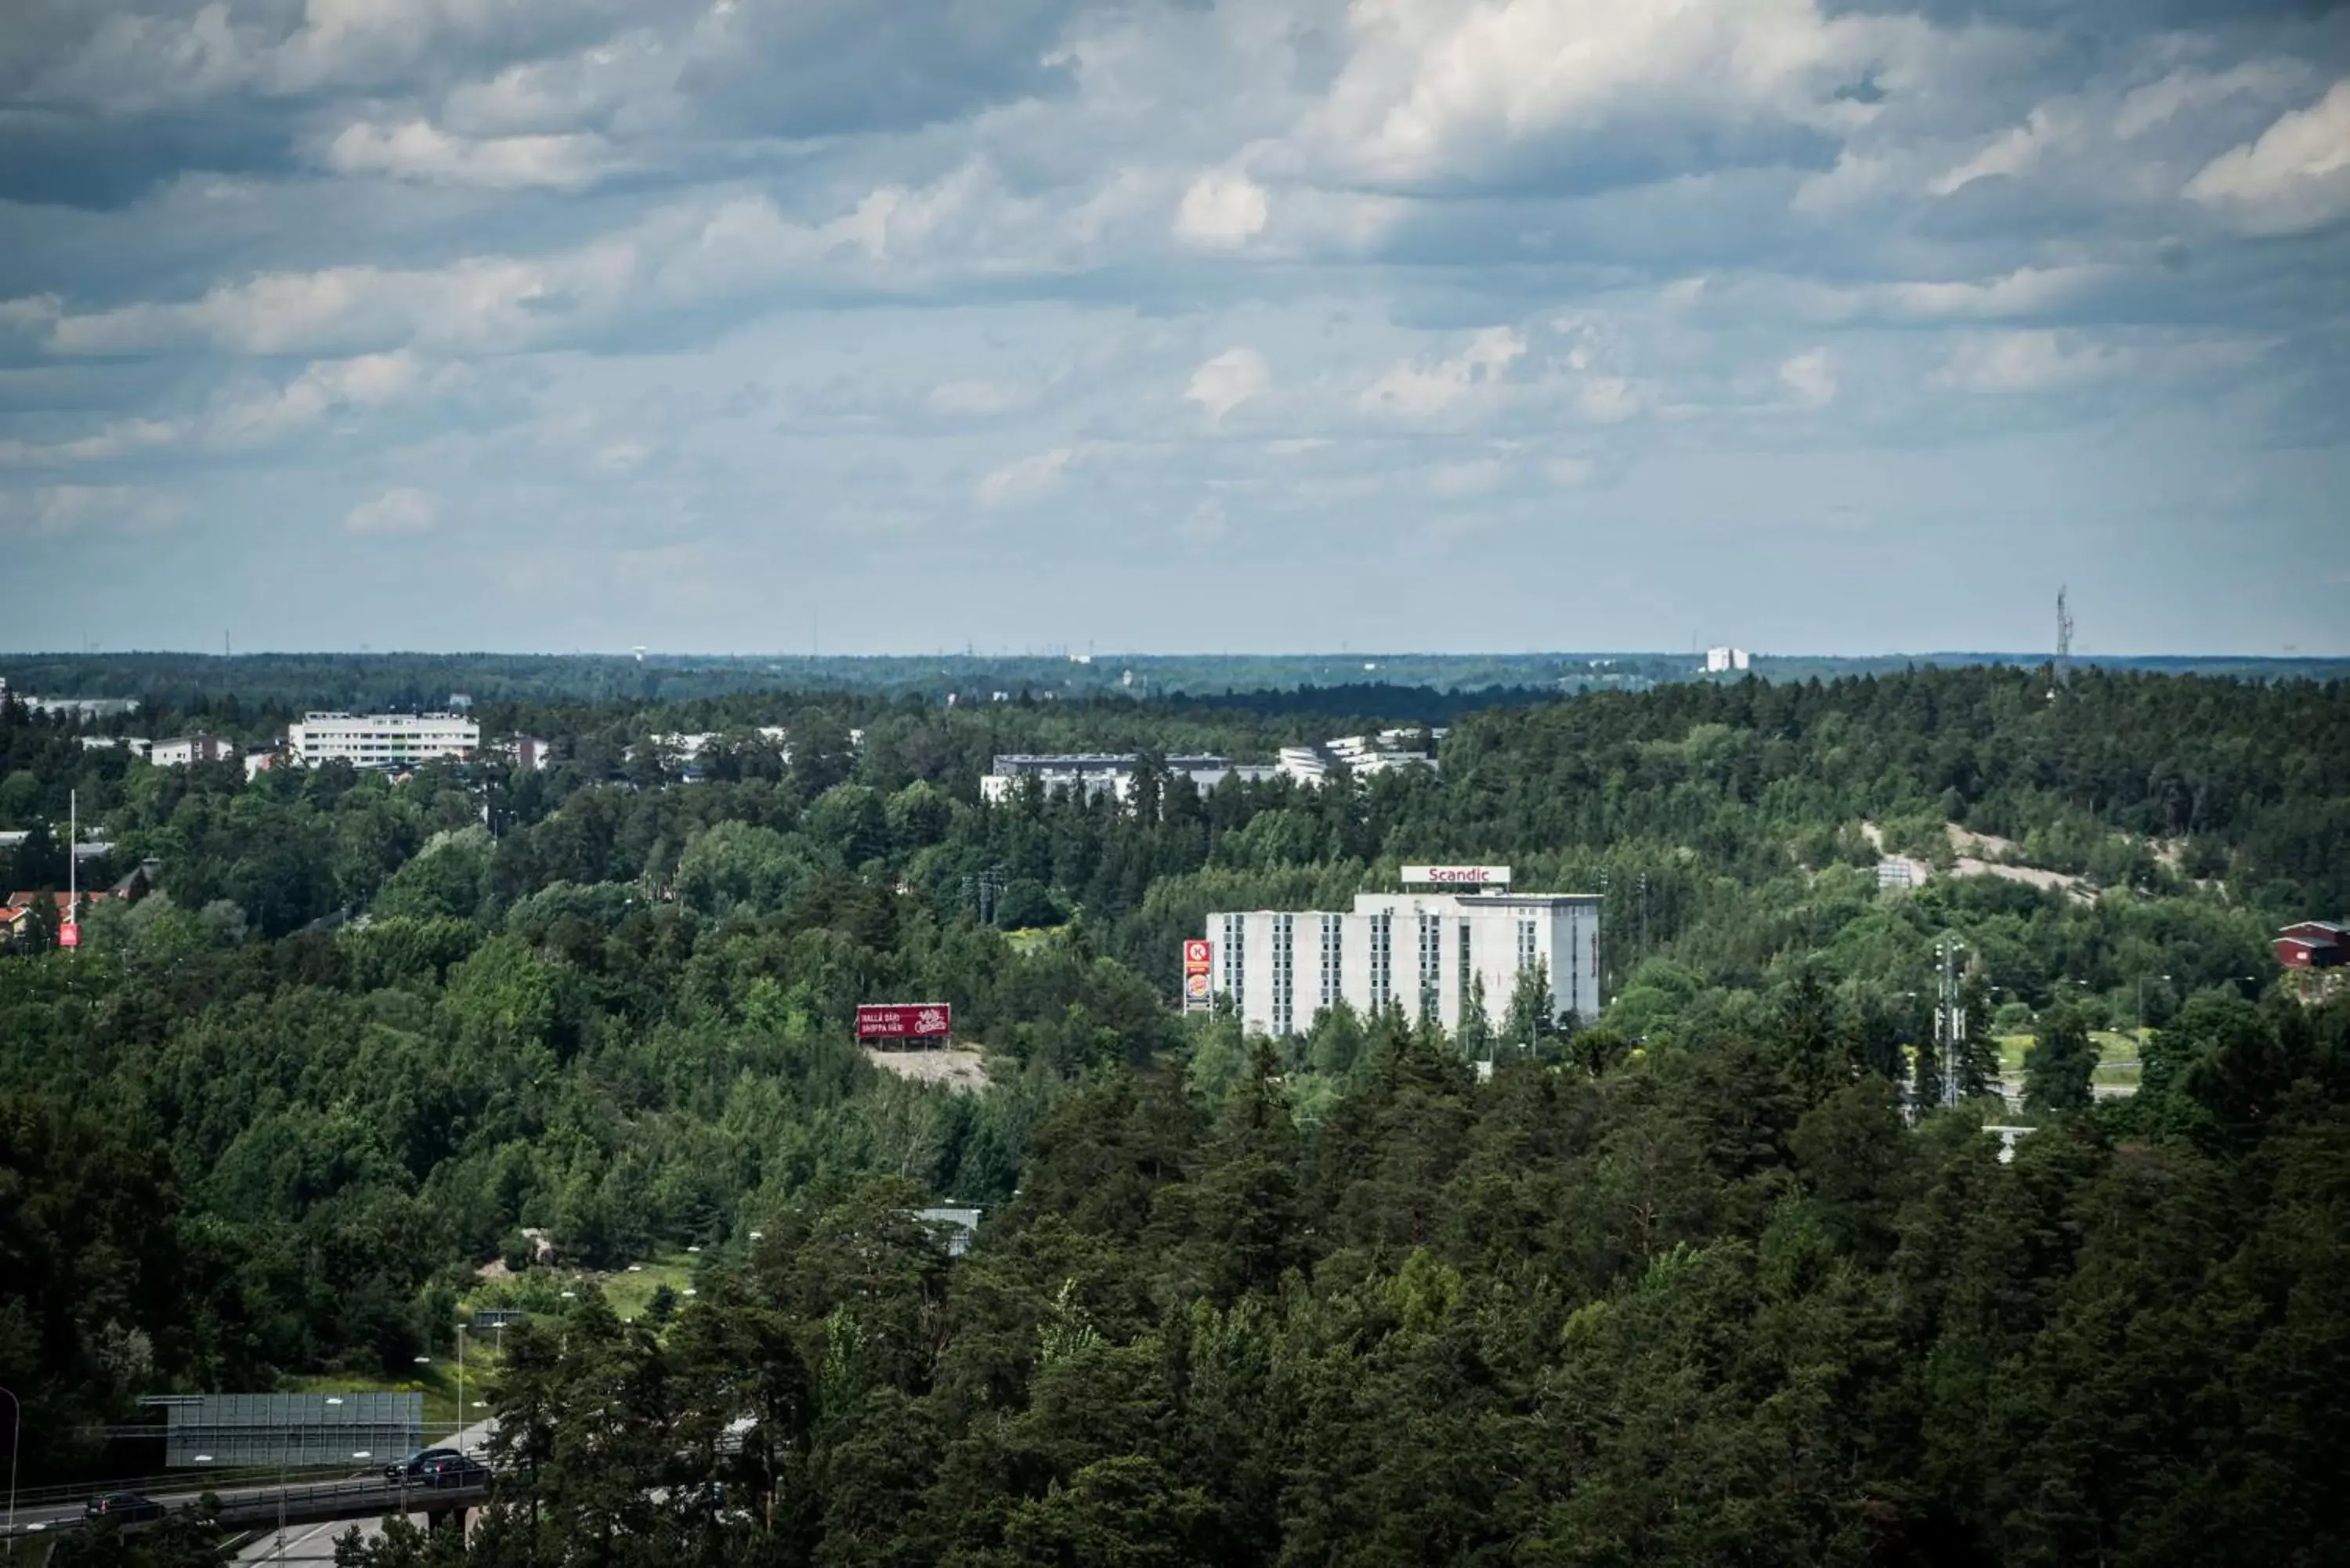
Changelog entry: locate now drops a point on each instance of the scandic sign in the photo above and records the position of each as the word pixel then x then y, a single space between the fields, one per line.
pixel 919 1020
pixel 1457 875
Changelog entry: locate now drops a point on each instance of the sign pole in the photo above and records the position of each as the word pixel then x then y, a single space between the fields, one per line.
pixel 70 930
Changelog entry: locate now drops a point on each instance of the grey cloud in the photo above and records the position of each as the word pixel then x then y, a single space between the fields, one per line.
pixel 840 265
pixel 74 158
pixel 830 67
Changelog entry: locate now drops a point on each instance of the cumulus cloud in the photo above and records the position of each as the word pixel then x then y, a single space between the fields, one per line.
pixel 400 512
pixel 1228 381
pixel 2017 152
pixel 2295 179
pixel 2030 361
pixel 419 151
pixel 1221 210
pixel 487 302
pixel 907 266
pixel 1412 390
pixel 324 387
pixel 2186 92
pixel 1026 480
pixel 116 439
pixel 1810 376
pixel 1433 90
pixel 59 509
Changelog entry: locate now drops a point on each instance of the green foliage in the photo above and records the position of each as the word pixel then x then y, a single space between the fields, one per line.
pixel 1691 1285
pixel 2061 1062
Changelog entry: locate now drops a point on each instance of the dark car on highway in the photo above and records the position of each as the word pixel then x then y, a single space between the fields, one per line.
pixel 123 1506
pixel 437 1466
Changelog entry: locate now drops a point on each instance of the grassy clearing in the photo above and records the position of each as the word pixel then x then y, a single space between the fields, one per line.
pixel 437 1383
pixel 1025 942
pixel 2118 1058
pixel 631 1295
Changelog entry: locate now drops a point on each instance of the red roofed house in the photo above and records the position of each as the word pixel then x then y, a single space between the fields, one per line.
pixel 2317 951
pixel 17 914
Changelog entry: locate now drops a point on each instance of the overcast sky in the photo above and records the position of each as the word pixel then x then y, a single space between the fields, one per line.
pixel 1172 326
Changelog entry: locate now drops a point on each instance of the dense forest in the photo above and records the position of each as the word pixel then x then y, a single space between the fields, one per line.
pixel 1698 1283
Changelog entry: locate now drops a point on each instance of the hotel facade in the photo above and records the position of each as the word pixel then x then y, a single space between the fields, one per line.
pixel 1427 951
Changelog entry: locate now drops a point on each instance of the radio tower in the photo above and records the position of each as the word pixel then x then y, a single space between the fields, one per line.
pixel 1951 1023
pixel 2063 641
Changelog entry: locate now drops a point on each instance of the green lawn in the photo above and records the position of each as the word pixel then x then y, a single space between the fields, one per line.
pixel 631 1295
pixel 1034 936
pixel 2115 1047
pixel 437 1383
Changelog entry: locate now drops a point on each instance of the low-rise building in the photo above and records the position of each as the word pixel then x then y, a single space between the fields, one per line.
pixel 137 745
pixel 1096 774
pixel 188 749
pixel 2316 957
pixel 382 739
pixel 1388 751
pixel 16 915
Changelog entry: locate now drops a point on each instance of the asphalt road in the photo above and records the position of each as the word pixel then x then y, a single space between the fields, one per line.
pixel 331 1505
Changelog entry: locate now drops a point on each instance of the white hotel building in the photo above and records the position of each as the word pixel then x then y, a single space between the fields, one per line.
pixel 1421 951
pixel 382 739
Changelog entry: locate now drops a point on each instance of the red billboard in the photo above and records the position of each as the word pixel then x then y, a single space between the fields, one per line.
pixel 905 1021
pixel 70 935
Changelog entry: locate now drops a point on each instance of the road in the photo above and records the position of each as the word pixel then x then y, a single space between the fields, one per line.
pixel 316 1542
pixel 311 1508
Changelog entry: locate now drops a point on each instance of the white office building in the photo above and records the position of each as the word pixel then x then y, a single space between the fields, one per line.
pixel 1425 951
pixel 382 739
pixel 1726 661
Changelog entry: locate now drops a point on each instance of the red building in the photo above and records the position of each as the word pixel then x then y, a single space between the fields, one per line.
pixel 2315 952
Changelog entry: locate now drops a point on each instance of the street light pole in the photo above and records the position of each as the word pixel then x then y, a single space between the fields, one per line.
pixel 16 1442
pixel 459 1441
pixel 2141 1014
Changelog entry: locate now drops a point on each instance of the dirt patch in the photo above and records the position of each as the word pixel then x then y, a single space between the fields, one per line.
pixel 1967 844
pixel 1988 855
pixel 1982 855
pixel 965 1072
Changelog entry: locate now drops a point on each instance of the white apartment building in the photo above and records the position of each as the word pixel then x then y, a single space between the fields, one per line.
pixel 380 740
pixel 1422 952
pixel 1724 660
pixel 1096 774
pixel 1093 775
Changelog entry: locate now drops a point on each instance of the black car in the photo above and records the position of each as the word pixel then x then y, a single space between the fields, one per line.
pixel 436 1467
pixel 122 1507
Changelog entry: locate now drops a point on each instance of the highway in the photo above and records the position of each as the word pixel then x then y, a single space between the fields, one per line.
pixel 316 1510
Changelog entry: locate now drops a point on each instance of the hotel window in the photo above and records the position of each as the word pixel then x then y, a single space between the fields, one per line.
pixel 1525 946
pixel 1233 971
pixel 1332 986
pixel 1465 972
pixel 1284 994
pixel 1382 958
pixel 1432 960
